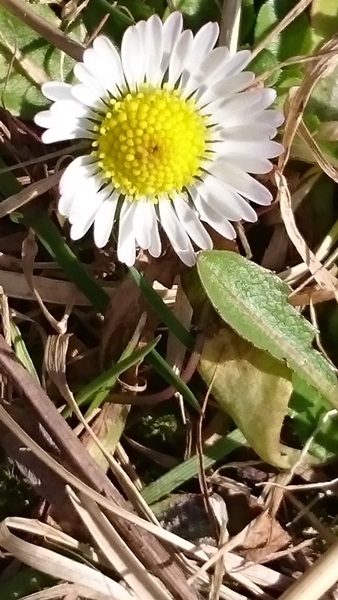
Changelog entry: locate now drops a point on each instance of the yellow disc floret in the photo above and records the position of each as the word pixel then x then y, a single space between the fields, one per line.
pixel 150 142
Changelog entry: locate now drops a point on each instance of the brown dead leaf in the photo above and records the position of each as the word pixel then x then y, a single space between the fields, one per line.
pixel 265 536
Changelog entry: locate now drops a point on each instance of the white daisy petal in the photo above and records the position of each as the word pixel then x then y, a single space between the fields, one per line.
pixel 208 215
pixel 104 220
pixel 171 31
pixel 224 111
pixel 265 148
pixel 110 59
pixel 67 110
pixel 188 257
pixel 248 162
pixel 179 57
pixel 88 96
pixel 213 66
pixel 176 232
pixel 57 134
pixel 84 75
pixel 126 250
pixel 236 63
pixel 78 171
pixel 133 58
pixel 192 224
pixel 242 182
pixel 55 90
pixel 155 246
pixel 144 216
pixel 249 132
pixel 224 88
pixel 44 119
pixel 81 224
pixel 202 44
pixel 98 68
pixel 223 200
pixel 86 199
pixel 82 216
pixel 64 205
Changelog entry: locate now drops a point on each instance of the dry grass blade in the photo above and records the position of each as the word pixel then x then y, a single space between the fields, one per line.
pixel 320 274
pixel 59 566
pixel 317 580
pixel 291 16
pixel 29 193
pixel 29 252
pixel 57 291
pixel 68 591
pixel 31 70
pixel 299 98
pixel 324 164
pixel 122 559
pixel 52 291
pixel 54 36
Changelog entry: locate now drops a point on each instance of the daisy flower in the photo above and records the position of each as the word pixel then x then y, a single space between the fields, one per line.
pixel 173 135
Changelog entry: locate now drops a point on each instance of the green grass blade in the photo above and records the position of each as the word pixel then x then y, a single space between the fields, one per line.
pixel 21 351
pixel 107 379
pixel 188 469
pixel 162 367
pixel 162 311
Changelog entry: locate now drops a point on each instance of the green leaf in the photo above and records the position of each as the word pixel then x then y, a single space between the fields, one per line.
pixel 266 61
pixel 119 18
pixel 324 99
pixel 324 19
pixel 295 39
pixel 253 301
pixel 197 12
pixel 307 410
pixel 20 88
pixel 252 387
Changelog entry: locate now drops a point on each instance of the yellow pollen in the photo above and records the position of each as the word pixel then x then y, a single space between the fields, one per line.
pixel 150 143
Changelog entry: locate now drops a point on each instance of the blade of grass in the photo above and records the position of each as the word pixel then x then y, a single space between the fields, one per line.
pixel 106 380
pixel 188 469
pixel 21 351
pixel 162 311
pixel 162 367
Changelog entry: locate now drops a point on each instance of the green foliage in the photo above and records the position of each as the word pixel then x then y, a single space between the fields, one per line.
pixel 294 40
pixel 253 301
pixel 308 410
pixel 197 12
pixel 20 90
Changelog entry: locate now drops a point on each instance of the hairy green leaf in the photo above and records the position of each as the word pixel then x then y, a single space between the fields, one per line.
pixel 253 301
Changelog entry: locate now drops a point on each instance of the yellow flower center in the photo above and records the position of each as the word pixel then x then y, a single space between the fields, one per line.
pixel 150 142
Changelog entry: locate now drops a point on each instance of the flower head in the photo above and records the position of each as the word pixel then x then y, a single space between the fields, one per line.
pixel 173 134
